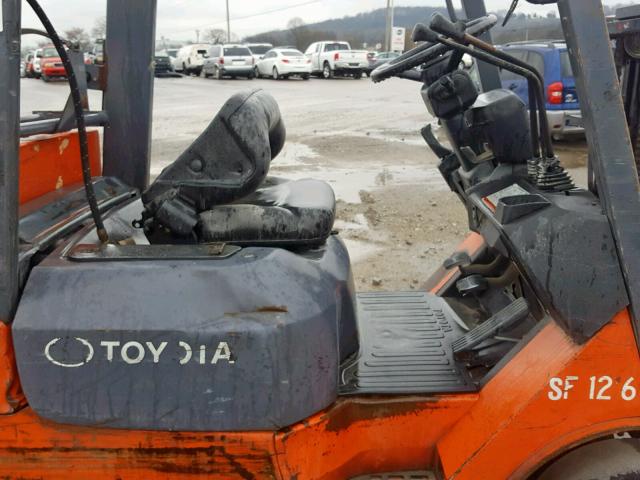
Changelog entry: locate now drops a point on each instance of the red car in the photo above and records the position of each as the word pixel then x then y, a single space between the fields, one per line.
pixel 50 64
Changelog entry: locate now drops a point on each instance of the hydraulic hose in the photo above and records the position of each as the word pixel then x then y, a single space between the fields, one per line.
pixel 79 114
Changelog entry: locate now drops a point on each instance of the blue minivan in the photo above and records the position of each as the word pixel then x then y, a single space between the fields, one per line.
pixel 551 59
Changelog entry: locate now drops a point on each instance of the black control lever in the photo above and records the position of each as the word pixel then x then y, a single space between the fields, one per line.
pixel 500 59
pixel 441 24
pixel 422 33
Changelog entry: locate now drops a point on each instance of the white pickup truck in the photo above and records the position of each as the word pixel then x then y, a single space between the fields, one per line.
pixel 336 59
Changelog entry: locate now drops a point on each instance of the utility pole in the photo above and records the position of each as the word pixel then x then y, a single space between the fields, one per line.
pixel 197 36
pixel 228 25
pixel 389 26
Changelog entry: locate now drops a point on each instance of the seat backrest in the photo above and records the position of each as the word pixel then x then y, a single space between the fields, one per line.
pixel 228 161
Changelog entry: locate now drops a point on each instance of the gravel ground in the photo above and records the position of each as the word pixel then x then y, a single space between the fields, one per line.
pixel 394 210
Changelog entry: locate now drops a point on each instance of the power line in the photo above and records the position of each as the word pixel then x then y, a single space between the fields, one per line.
pixel 253 15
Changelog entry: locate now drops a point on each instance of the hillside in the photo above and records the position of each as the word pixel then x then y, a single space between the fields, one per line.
pixel 368 28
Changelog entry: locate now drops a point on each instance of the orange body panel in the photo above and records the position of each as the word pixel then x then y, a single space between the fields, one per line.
pixel 53 161
pixel 361 435
pixel 515 412
pixel 47 163
pixel 32 448
pixel 11 395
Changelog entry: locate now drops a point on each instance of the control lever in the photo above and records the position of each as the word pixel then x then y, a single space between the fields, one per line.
pixel 506 65
pixel 547 173
pixel 422 33
pixel 436 147
pixel 441 24
pixel 458 259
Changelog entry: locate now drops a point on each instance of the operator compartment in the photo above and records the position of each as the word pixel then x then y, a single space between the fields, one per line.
pixel 222 302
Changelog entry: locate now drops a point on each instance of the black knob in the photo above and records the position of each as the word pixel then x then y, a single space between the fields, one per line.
pixel 472 284
pixel 422 33
pixel 442 25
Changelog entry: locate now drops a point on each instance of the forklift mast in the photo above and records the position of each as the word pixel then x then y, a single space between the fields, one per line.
pixel 127 82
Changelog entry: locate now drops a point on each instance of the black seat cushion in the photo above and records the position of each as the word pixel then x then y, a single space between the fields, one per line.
pixel 280 212
pixel 228 161
pixel 218 189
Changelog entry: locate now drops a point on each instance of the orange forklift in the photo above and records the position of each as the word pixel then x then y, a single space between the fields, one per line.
pixel 206 325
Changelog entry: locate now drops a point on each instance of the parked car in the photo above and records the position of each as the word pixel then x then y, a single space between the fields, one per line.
pixel 330 59
pixel 97 52
pixel 37 58
pixel 23 69
pixel 28 64
pixel 284 63
pixel 173 56
pixel 381 59
pixel 259 49
pixel 50 64
pixel 229 61
pixel 190 58
pixel 162 65
pixel 551 59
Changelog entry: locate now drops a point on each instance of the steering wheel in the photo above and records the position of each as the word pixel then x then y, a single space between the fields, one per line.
pixel 427 51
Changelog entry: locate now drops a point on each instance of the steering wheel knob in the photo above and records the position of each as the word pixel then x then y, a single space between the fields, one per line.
pixel 443 26
pixel 422 33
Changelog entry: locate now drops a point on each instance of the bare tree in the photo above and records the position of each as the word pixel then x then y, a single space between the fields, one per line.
pixel 99 29
pixel 214 35
pixel 298 30
pixel 80 36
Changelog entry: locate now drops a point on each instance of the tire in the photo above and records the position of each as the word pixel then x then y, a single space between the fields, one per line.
pixel 45 78
pixel 614 458
pixel 206 75
pixel 275 74
pixel 327 73
pixel 184 69
pixel 256 72
pixel 217 74
pixel 306 76
pixel 358 75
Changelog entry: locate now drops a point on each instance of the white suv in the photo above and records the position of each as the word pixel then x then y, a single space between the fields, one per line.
pixel 229 61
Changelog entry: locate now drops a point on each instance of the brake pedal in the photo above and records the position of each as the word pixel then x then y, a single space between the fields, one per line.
pixel 506 317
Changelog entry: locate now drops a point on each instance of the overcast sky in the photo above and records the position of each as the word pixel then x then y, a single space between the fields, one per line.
pixel 178 19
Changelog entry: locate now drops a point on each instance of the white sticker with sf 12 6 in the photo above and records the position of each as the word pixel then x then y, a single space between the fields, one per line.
pixel 600 388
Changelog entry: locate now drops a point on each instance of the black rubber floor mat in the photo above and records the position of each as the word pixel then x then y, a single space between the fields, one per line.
pixel 405 346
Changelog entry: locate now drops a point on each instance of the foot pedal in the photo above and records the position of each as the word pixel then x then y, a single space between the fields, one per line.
pixel 506 317
pixel 458 259
pixel 423 475
pixel 472 284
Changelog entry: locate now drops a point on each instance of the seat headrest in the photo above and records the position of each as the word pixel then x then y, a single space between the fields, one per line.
pixel 228 161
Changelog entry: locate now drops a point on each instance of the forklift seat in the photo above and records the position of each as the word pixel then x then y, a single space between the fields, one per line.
pixel 280 212
pixel 218 189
